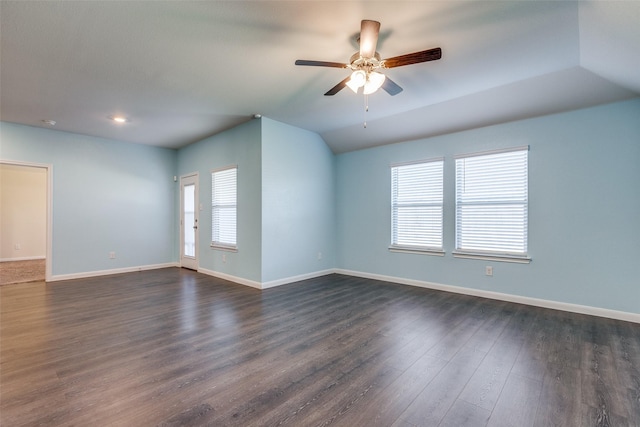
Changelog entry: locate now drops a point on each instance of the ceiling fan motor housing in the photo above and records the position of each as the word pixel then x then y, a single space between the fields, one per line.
pixel 357 62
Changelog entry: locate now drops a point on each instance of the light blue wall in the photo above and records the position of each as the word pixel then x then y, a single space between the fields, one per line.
pixel 107 196
pixel 584 211
pixel 584 227
pixel 238 146
pixel 298 215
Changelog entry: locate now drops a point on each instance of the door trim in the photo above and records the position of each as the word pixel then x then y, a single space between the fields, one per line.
pixel 195 178
pixel 49 226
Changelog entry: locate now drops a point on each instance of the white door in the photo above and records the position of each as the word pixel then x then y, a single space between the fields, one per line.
pixel 189 221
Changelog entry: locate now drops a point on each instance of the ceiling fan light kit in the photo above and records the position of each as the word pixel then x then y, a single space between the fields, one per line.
pixel 374 82
pixel 357 80
pixel 366 64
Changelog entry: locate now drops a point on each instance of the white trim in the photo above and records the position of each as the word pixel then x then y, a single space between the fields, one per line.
pixel 195 177
pixel 416 162
pixel 537 302
pixel 24 258
pixel 415 250
pixel 214 243
pixel 265 285
pixel 86 274
pixel 189 175
pixel 224 168
pixel 48 275
pixel 49 256
pixel 519 259
pixel 490 152
pixel 418 187
pixel 292 279
pixel 221 247
pixel 231 278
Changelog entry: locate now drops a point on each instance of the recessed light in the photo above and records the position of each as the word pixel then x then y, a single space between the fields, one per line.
pixel 119 119
pixel 49 122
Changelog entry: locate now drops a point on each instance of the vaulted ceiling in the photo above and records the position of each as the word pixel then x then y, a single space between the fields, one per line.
pixel 182 71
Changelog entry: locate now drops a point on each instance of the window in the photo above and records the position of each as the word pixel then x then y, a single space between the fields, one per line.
pixel 492 205
pixel 416 206
pixel 224 207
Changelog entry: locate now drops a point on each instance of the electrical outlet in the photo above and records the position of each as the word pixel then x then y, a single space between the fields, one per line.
pixel 224 258
pixel 319 255
pixel 17 246
pixel 112 255
pixel 488 270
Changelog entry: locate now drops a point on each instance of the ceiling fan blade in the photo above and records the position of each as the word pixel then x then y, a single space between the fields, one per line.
pixel 337 88
pixel 369 31
pixel 414 58
pixel 321 63
pixel 391 87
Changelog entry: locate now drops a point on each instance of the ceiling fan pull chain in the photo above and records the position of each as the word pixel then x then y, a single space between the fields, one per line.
pixel 366 109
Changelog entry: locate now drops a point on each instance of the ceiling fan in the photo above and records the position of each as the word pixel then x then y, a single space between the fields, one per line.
pixel 366 64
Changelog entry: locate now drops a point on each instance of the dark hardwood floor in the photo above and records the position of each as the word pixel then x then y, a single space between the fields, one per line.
pixel 173 347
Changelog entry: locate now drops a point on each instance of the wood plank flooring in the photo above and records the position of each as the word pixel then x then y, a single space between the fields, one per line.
pixel 172 347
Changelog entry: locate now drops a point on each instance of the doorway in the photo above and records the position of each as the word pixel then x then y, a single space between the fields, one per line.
pixel 25 222
pixel 189 216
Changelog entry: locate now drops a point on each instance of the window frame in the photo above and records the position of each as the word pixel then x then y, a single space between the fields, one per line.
pixel 486 253
pixel 422 249
pixel 229 246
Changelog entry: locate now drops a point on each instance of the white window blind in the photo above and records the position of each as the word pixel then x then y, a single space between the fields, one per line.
pixel 492 202
pixel 416 205
pixel 224 206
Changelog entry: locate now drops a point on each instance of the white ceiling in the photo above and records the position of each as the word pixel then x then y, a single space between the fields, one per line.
pixel 182 71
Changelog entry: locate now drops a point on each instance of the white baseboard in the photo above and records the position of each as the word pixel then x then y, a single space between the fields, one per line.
pixel 24 258
pixel 556 305
pixel 265 285
pixel 58 277
pixel 292 279
pixel 230 278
